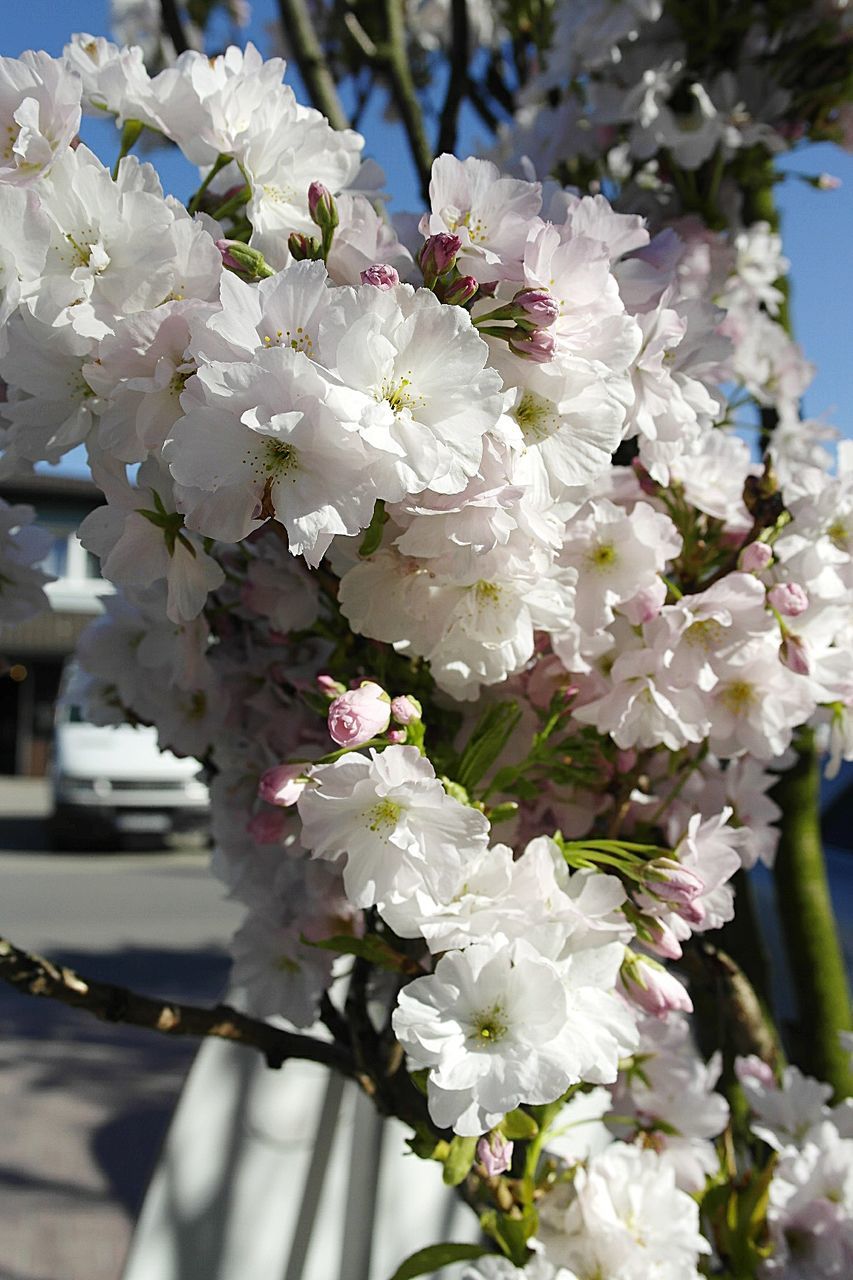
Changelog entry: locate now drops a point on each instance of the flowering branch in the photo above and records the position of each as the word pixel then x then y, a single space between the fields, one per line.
pixel 35 975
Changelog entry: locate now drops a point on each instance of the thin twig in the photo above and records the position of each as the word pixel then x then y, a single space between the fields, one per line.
pixel 173 26
pixel 404 93
pixel 34 975
pixel 457 83
pixel 313 67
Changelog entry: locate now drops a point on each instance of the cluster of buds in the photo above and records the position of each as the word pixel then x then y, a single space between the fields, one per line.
pixel 437 261
pixel 324 214
pixel 524 323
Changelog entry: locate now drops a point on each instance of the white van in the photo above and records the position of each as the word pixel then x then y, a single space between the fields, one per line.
pixel 112 781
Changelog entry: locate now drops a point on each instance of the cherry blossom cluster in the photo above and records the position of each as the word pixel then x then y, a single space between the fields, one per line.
pixel 438 546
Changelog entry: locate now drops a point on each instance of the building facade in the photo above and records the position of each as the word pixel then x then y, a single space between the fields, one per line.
pixel 36 650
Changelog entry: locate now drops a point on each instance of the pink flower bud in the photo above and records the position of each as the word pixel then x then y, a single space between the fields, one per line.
pixel 667 879
pixel 494 1152
pixel 331 687
pixel 794 655
pixel 536 307
pixel 538 346
pixel 397 735
pixel 654 989
pixel 406 709
pixel 755 557
pixel 625 760
pixel 438 255
pixel 789 599
pixel 753 1070
pixel 283 784
pixel 302 247
pixel 322 207
pixel 460 291
pixel 359 714
pixel 663 941
pixel 267 827
pixel 380 275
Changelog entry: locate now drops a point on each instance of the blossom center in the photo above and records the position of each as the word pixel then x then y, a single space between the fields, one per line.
pixel 280 458
pixel 489 1026
pixel 537 417
pixel 383 817
pixel 398 395
pixel 738 696
pixel 297 339
pixel 487 593
pixel 704 635
pixel 839 534
pixel 602 556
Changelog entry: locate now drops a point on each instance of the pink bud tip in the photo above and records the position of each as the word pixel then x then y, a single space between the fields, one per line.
pixel 406 710
pixel 538 346
pixel 494 1152
pixel 282 785
pixel 755 557
pixel 537 306
pixel 380 275
pixel 317 193
pixel 789 599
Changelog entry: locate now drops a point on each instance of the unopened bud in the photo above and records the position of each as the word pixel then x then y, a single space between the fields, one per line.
pixel 406 709
pixel 673 883
pixel 494 1152
pixel 535 307
pixel 755 557
pixel 245 261
pixel 793 654
pixel 754 1070
pixel 302 247
pixel 322 207
pixel 788 598
pixel 282 785
pixel 661 939
pixel 438 255
pixel 330 687
pixel 359 714
pixel 380 275
pixel 538 346
pixel 460 291
pixel 652 987
pixel 397 735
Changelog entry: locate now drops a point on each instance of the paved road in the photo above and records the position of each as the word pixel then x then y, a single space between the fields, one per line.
pixel 84 1106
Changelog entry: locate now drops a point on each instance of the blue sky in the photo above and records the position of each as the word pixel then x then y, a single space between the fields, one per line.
pixel 817 225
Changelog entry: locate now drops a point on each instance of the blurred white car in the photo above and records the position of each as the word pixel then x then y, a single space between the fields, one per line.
pixel 111 781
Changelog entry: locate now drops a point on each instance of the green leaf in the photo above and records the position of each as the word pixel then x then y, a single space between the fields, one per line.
pixel 487 742
pixel 371 948
pixel 436 1256
pixel 373 533
pixel 518 1126
pixel 459 1159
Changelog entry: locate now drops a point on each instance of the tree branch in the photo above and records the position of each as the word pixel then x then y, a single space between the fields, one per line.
pixel 457 83
pixel 314 69
pixel 170 20
pixel 404 93
pixel 34 975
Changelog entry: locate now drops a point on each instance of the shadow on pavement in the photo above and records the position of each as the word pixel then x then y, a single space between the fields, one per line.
pixel 126 1079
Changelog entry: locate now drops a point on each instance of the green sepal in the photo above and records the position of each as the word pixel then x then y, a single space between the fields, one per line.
pixel 511 1231
pixel 373 533
pixel 458 1161
pixel 518 1126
